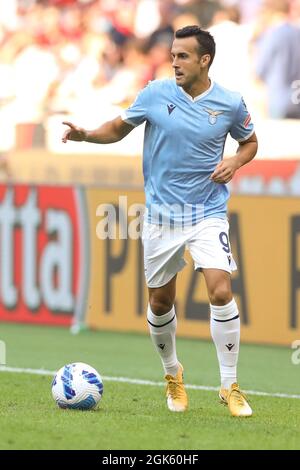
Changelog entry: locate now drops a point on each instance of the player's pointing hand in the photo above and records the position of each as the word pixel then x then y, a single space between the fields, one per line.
pixel 73 133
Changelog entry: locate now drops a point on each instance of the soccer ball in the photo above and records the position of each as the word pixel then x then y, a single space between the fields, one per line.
pixel 77 386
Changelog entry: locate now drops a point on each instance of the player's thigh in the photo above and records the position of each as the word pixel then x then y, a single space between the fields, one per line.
pixel 210 247
pixel 163 256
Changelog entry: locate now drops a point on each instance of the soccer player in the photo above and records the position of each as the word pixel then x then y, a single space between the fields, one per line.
pixel 187 121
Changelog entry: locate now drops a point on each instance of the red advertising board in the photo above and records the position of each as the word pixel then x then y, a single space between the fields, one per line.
pixel 268 177
pixel 41 256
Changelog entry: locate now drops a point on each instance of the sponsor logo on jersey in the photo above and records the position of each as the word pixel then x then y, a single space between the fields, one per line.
pixel 171 108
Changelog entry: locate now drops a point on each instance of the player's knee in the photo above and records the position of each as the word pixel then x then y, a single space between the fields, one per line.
pixel 220 295
pixel 160 304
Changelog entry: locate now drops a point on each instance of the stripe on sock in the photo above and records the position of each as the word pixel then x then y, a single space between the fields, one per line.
pixel 160 326
pixel 225 321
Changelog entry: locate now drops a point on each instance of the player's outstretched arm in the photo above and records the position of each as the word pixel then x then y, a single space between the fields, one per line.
pixel 109 132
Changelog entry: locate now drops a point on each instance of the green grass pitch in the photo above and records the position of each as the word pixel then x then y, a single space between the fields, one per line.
pixel 132 416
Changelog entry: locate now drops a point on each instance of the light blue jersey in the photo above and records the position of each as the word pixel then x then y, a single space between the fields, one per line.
pixel 183 143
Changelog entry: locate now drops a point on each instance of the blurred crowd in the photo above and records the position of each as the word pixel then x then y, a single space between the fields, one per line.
pixel 72 57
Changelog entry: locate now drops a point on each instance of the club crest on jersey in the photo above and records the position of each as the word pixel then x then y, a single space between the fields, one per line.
pixel 213 115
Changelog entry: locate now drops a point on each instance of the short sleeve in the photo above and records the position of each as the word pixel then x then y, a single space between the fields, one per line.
pixel 136 114
pixel 242 127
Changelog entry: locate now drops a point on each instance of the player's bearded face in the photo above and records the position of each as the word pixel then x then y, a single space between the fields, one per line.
pixel 186 61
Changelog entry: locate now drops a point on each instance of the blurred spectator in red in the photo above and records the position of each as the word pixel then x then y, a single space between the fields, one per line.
pixel 46 25
pixel 295 11
pixel 70 23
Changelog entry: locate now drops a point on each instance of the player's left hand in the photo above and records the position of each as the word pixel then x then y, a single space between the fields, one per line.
pixel 225 171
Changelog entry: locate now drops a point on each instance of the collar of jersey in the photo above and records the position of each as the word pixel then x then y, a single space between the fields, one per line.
pixel 199 97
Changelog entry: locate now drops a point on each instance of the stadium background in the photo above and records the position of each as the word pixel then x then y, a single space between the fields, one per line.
pixel 85 61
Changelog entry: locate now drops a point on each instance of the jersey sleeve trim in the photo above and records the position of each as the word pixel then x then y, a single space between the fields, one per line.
pixel 247 136
pixel 124 117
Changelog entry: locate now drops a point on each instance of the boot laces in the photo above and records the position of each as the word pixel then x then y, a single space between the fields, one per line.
pixel 239 396
pixel 174 388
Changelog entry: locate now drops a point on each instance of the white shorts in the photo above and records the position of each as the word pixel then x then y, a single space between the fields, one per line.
pixel 164 247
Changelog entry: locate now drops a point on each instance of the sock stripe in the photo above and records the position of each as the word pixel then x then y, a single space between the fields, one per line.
pixel 225 321
pixel 160 326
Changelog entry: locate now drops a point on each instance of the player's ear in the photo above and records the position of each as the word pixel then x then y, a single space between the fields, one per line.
pixel 205 60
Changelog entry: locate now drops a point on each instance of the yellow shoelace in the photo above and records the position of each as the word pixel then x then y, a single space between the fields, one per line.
pixel 239 396
pixel 174 388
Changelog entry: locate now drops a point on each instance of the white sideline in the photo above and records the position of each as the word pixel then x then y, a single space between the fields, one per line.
pixel 145 382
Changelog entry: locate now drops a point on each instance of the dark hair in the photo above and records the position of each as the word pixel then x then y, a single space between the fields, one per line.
pixel 205 40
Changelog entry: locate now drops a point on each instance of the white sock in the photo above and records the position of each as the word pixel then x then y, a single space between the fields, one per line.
pixel 163 335
pixel 225 332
